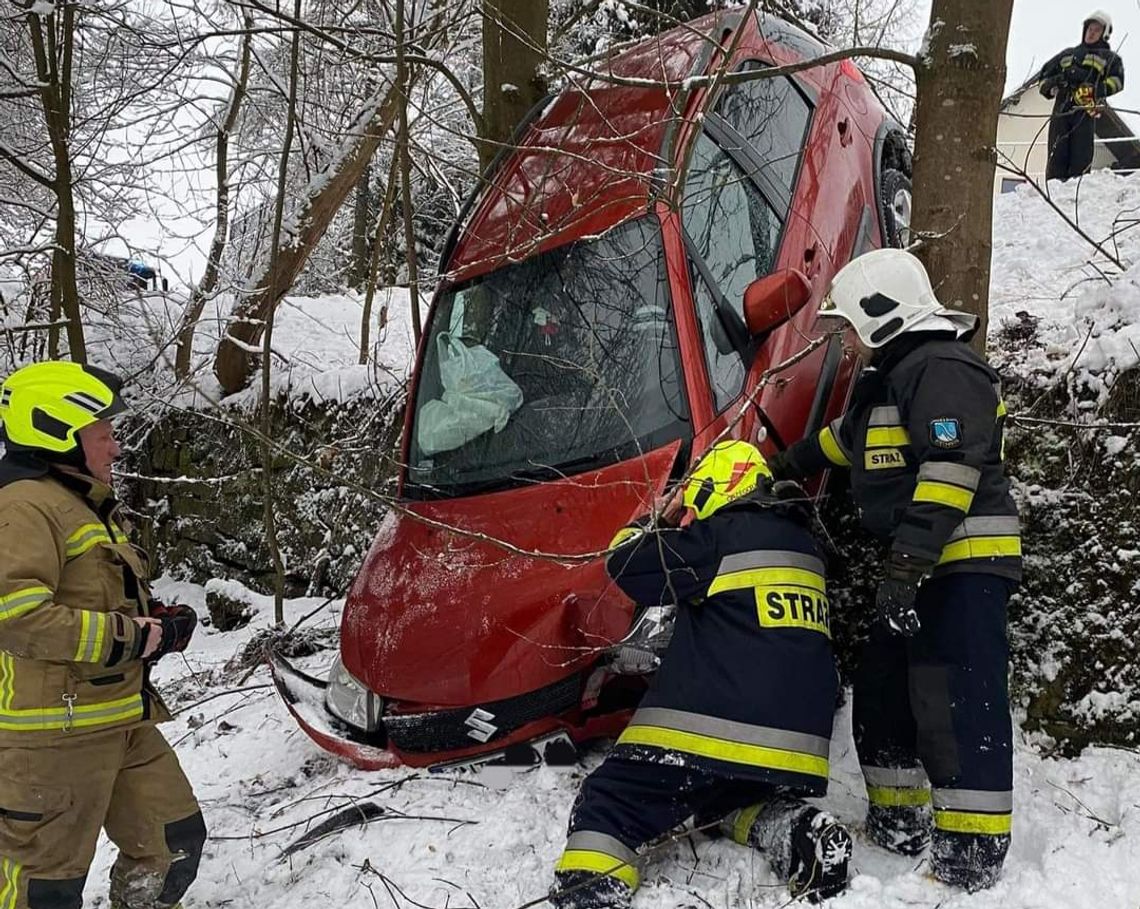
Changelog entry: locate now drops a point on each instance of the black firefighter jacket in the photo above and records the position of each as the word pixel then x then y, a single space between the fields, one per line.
pixel 1097 65
pixel 923 440
pixel 747 686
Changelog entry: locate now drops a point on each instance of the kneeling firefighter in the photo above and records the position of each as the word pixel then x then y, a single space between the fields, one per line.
pixel 78 630
pixel 736 724
pixel 923 440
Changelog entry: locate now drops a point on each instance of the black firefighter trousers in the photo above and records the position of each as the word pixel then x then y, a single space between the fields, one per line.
pixel 936 706
pixel 1071 138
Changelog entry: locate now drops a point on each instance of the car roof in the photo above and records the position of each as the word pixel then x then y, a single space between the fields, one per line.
pixel 589 159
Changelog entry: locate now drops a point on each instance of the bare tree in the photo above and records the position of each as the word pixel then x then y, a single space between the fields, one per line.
pixel 959 78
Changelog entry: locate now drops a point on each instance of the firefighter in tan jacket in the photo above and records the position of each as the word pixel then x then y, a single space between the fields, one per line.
pixel 78 630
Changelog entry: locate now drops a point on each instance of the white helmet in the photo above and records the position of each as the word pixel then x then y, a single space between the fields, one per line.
pixel 1098 15
pixel 887 292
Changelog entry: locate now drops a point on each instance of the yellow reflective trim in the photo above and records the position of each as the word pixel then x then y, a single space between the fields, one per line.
pixel 897 796
pixel 944 494
pixel 85 538
pixel 1096 62
pixel 725 750
pixel 7 670
pixel 1002 410
pixel 981 548
pixel 742 825
pixel 10 874
pixel 84 635
pixel 887 436
pixel 831 449
pixel 599 863
pixel 767 577
pixel 23 601
pixel 120 537
pixel 83 715
pixel 973 822
pixel 625 535
pixel 1112 84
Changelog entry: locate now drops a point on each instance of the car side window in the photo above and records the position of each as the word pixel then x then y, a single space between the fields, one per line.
pixel 732 234
pixel 725 365
pixel 772 116
pixel 729 223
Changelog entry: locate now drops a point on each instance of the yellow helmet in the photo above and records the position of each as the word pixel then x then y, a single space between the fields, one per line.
pixel 728 471
pixel 44 405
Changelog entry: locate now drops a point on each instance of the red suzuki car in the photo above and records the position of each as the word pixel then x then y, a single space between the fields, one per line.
pixel 610 301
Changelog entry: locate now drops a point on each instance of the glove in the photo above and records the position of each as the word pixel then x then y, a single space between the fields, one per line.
pixel 1049 88
pixel 782 466
pixel 894 601
pixel 178 624
pixel 1083 97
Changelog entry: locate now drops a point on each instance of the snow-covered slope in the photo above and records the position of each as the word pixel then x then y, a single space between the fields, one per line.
pixel 489 841
pixel 1089 306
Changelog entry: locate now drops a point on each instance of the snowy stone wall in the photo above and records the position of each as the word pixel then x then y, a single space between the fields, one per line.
pixel 198 492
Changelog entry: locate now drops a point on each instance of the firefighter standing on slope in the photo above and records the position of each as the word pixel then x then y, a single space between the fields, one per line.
pixel 1079 79
pixel 737 721
pixel 78 628
pixel 923 440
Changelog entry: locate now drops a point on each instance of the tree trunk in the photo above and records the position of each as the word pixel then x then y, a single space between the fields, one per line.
pixel 361 209
pixel 233 365
pixel 959 81
pixel 53 43
pixel 209 282
pixel 514 50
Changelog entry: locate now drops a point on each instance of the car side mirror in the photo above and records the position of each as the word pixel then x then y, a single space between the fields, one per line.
pixel 772 300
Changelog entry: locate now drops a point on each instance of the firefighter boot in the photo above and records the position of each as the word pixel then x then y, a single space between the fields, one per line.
pixel 904 829
pixel 587 890
pixel 971 861
pixel 807 847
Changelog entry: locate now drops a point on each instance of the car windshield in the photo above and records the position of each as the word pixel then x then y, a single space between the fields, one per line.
pixel 561 363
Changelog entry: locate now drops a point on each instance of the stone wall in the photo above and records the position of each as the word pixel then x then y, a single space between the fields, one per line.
pixel 196 492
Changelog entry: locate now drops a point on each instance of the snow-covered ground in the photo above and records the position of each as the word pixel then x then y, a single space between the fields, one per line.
pixel 489 840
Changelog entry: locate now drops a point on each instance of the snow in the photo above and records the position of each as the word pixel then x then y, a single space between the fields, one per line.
pixel 489 839
pixel 1088 306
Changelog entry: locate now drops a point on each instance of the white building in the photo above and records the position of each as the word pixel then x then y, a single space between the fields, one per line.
pixel 1023 137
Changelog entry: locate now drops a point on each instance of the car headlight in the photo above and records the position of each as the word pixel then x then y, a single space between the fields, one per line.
pixel 349 700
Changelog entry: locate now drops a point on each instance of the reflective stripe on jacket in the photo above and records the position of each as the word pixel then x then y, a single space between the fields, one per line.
pixel 70 585
pixel 747 685
pixel 923 440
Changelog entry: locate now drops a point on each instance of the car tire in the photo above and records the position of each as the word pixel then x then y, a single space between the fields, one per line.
pixel 895 205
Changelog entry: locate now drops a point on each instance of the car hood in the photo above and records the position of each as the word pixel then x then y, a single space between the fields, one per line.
pixel 440 618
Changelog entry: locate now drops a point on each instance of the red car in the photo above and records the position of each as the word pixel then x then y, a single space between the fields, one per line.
pixel 653 244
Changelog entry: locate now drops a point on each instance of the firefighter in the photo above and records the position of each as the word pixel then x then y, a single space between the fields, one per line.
pixel 78 633
pixel 923 440
pixel 1079 79
pixel 736 724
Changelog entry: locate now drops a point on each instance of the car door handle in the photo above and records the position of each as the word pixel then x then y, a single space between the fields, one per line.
pixel 811 260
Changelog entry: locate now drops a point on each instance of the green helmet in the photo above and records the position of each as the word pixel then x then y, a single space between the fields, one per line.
pixel 44 405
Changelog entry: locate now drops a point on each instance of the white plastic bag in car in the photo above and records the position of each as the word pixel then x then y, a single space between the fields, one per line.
pixel 477 396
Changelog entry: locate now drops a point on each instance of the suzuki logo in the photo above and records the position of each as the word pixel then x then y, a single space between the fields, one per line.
pixel 481 726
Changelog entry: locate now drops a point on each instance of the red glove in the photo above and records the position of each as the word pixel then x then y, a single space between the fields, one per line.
pixel 178 624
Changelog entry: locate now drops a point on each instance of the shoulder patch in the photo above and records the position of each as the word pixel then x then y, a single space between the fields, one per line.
pixel 945 432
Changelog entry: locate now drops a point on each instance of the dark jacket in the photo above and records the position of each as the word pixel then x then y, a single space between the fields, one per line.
pixel 923 440
pixel 1086 64
pixel 747 686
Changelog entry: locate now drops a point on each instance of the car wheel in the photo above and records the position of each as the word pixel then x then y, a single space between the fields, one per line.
pixel 894 202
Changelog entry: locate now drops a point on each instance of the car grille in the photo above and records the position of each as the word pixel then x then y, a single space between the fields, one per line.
pixel 450 730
